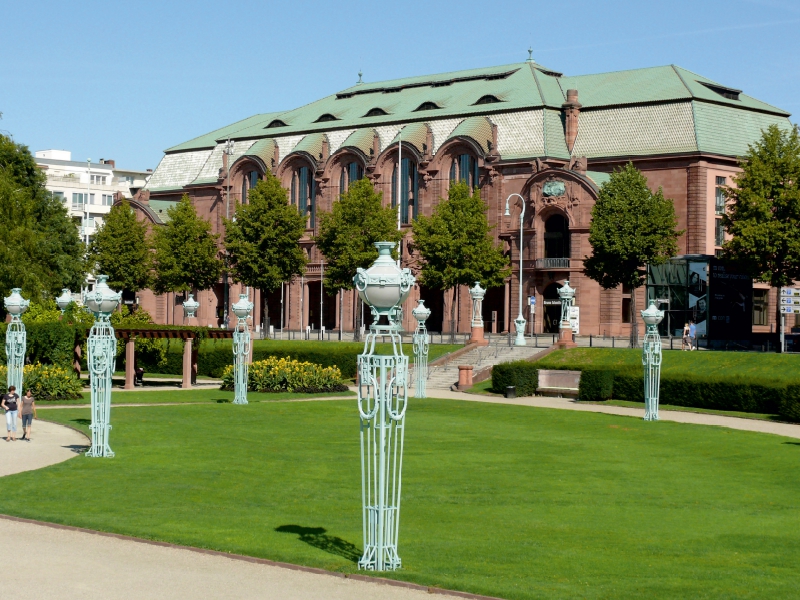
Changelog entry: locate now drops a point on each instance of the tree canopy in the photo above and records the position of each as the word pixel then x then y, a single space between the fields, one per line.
pixel 186 252
pixel 262 240
pixel 763 214
pixel 456 246
pixel 40 249
pixel 631 227
pixel 121 250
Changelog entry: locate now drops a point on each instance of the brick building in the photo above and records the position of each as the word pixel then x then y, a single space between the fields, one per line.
pixel 519 128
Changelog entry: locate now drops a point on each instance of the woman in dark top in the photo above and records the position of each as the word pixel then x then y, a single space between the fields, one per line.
pixel 28 413
pixel 9 404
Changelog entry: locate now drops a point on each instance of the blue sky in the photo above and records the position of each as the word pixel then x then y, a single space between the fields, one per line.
pixel 126 80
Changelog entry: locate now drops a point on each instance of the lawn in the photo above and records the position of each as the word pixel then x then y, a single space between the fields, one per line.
pixel 183 396
pixel 507 501
pixel 778 368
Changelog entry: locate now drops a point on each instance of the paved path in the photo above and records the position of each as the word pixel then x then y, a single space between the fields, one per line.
pixel 68 564
pixel 51 444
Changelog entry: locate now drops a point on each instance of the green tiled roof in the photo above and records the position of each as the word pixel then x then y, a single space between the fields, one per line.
pixel 263 149
pixel 476 128
pixel 598 177
pixel 311 145
pixel 728 131
pixel 209 140
pixel 414 134
pixel 555 144
pixel 361 139
pixel 160 208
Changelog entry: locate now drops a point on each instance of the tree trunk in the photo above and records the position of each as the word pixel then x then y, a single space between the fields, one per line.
pixel 341 313
pixel 778 316
pixel 453 316
pixel 357 321
pixel 264 315
pixel 634 341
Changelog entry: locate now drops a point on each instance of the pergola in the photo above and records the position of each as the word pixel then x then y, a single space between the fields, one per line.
pixel 188 334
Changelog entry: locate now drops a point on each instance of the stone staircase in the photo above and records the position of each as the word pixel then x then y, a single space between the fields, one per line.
pixel 443 376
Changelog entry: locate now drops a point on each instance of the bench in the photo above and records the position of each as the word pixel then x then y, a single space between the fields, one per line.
pixel 558 383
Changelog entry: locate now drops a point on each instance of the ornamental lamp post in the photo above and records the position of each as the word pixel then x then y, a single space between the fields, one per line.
pixel 101 360
pixel 421 344
pixel 382 403
pixel 567 296
pixel 477 294
pixel 651 359
pixel 241 348
pixel 520 321
pixel 16 338
pixel 190 307
pixel 64 300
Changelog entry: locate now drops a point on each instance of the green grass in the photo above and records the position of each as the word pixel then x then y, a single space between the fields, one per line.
pixel 707 411
pixel 183 396
pixel 778 368
pixel 507 501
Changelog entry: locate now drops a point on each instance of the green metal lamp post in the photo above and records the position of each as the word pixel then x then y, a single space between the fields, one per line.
pixel 651 359
pixel 520 321
pixel 64 300
pixel 101 359
pixel 16 338
pixel 567 296
pixel 421 344
pixel 241 348
pixel 382 403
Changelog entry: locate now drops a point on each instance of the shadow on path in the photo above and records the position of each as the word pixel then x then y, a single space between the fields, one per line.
pixel 316 537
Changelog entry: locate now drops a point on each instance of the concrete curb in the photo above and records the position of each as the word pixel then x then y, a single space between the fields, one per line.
pixel 260 561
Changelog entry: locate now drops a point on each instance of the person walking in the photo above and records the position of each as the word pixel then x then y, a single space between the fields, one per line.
pixel 28 414
pixel 9 404
pixel 692 336
pixel 686 340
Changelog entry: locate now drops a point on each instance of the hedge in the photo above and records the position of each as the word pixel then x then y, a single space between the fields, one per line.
pixel 48 343
pixel 46 382
pixel 596 384
pixel 521 374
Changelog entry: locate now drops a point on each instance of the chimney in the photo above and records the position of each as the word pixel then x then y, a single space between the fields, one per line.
pixel 149 170
pixel 112 163
pixel 572 109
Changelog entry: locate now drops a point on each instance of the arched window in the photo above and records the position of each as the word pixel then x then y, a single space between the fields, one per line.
pixel 302 193
pixel 465 168
pixel 249 181
pixel 409 190
pixel 351 172
pixel 556 237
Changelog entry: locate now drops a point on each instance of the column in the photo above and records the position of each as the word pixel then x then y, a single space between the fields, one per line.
pixel 130 362
pixel 187 364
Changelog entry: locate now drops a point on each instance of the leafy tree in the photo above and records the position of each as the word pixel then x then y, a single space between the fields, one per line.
pixel 186 254
pixel 40 249
pixel 763 215
pixel 121 250
pixel 631 228
pixel 347 236
pixel 262 240
pixel 456 247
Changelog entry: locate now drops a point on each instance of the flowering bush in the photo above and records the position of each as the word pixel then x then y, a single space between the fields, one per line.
pixel 46 382
pixel 287 375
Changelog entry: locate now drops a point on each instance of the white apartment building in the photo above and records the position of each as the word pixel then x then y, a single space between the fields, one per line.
pixel 88 189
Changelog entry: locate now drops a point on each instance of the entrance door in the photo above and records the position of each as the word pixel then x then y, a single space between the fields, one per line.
pixel 552 308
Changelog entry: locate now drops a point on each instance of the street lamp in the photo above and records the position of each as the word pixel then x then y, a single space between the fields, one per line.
pixel 241 348
pixel 190 307
pixel 520 321
pixel 64 300
pixel 16 338
pixel 102 351
pixel 382 403
pixel 651 359
pixel 421 343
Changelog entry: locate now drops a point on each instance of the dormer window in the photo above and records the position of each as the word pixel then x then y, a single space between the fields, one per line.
pixel 488 99
pixel 275 123
pixel 428 106
pixel 376 112
pixel 725 92
pixel 326 117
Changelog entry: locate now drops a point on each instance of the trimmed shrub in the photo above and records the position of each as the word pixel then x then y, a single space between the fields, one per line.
pixel 286 375
pixel 48 343
pixel 596 384
pixel 789 409
pixel 522 374
pixel 46 382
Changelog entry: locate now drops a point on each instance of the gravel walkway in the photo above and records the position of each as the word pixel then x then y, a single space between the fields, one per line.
pixel 50 444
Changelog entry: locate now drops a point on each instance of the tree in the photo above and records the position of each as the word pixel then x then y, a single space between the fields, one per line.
pixel 186 253
pixel 763 215
pixel 631 227
pixel 121 250
pixel 40 249
pixel 347 236
pixel 262 240
pixel 456 247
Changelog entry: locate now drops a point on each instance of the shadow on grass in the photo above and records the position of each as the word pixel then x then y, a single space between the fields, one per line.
pixel 792 443
pixel 86 422
pixel 316 537
pixel 222 400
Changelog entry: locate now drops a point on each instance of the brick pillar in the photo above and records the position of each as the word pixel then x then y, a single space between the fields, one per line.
pixel 696 205
pixel 130 362
pixel 186 383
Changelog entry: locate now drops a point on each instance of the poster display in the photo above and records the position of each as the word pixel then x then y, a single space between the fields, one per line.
pixel 698 296
pixel 731 303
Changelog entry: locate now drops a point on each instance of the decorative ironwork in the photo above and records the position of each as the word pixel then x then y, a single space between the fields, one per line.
pixel 651 359
pixel 101 360
pixel 421 344
pixel 16 338
pixel 64 300
pixel 567 295
pixel 382 404
pixel 241 348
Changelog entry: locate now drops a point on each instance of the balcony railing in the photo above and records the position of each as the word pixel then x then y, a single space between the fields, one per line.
pixel 551 263
pixel 719 209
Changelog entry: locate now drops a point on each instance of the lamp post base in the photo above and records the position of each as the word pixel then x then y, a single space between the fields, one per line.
pixel 565 338
pixel 476 337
